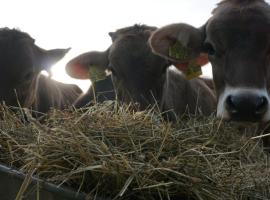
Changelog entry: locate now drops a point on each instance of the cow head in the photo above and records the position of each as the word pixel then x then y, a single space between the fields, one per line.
pixel 135 69
pixel 237 41
pixel 20 63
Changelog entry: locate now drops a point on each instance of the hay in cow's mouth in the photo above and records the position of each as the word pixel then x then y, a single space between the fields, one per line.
pixel 109 150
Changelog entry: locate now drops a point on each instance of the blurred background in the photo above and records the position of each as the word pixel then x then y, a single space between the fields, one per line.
pixel 84 24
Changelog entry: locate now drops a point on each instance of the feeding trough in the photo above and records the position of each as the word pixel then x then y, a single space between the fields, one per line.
pixel 15 185
pixel 109 151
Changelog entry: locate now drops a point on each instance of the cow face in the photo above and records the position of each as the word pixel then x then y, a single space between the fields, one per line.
pixel 135 69
pixel 20 63
pixel 237 41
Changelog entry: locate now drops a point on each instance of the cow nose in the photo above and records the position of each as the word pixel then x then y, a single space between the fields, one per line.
pixel 246 107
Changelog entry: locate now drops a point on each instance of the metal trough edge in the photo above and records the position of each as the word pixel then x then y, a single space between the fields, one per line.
pixel 11 181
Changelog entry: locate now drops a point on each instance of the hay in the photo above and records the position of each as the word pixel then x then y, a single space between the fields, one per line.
pixel 111 151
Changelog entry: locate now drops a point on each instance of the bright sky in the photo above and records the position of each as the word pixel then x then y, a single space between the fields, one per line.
pixel 84 24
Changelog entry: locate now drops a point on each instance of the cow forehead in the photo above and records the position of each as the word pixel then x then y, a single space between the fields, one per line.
pixel 235 29
pixel 243 12
pixel 16 55
pixel 131 52
pixel 127 41
pixel 14 41
pixel 135 30
pixel 11 49
pixel 230 22
pixel 241 5
pixel 14 35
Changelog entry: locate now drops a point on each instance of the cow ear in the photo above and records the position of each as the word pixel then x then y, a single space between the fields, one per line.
pixel 80 66
pixel 179 43
pixel 47 58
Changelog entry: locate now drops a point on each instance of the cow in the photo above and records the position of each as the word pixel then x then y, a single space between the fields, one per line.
pixel 141 77
pixel 21 81
pixel 236 39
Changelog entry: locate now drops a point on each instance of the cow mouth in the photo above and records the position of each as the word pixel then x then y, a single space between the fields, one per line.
pixel 246 118
pixel 243 118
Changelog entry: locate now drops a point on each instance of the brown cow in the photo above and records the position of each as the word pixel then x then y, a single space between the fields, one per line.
pixel 142 77
pixel 237 40
pixel 21 62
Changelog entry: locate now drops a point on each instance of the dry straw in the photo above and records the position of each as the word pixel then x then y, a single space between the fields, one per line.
pixel 112 151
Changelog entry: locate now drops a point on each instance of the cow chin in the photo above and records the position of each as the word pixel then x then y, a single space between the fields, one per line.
pixel 244 104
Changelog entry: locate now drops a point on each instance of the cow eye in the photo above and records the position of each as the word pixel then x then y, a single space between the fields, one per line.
pixel 208 48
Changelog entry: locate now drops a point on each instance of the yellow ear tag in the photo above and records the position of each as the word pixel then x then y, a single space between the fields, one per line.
pixel 178 51
pixel 96 74
pixel 193 70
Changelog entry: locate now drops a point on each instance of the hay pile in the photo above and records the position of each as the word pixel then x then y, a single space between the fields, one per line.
pixel 110 151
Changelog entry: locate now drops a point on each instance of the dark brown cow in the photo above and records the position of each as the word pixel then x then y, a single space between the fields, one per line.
pixel 142 77
pixel 237 41
pixel 21 62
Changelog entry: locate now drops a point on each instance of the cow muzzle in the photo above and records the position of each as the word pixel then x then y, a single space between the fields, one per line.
pixel 244 104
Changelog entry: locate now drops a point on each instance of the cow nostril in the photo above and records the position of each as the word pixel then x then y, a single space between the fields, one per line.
pixel 261 105
pixel 231 104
